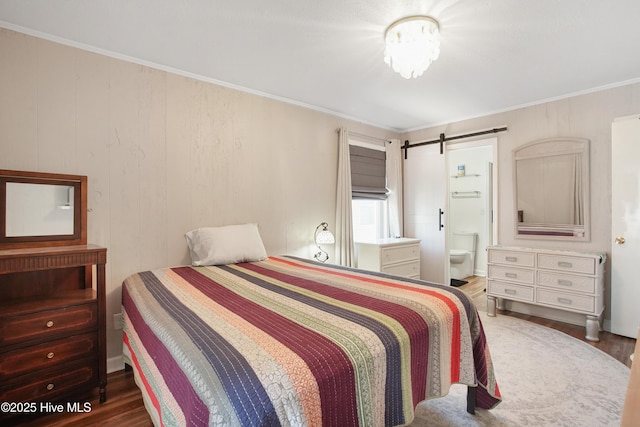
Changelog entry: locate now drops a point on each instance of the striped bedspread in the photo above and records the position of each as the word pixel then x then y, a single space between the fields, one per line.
pixel 287 341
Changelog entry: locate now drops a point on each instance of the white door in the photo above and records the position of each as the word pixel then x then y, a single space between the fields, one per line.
pixel 425 192
pixel 625 226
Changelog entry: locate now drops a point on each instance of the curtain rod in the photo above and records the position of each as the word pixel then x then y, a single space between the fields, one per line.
pixel 365 136
pixel 443 138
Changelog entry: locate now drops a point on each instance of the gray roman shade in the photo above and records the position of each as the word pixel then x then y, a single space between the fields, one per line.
pixel 368 173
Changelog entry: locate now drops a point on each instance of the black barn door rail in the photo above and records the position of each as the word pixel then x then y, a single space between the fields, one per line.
pixel 443 138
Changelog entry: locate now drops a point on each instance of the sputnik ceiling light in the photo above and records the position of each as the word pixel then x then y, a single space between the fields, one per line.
pixel 411 45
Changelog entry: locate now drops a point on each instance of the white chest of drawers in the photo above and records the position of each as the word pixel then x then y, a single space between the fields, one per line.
pixel 399 256
pixel 571 281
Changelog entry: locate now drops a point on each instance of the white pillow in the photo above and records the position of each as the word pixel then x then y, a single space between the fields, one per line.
pixel 225 245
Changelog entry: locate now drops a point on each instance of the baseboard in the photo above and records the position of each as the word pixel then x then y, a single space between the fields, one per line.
pixel 115 364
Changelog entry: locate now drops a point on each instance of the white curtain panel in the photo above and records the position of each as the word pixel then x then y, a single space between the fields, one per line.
pixel 344 220
pixel 578 208
pixel 394 185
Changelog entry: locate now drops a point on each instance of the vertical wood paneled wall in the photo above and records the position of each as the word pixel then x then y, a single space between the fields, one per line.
pixel 164 154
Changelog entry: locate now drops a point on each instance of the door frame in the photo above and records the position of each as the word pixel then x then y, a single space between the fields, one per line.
pixel 491 184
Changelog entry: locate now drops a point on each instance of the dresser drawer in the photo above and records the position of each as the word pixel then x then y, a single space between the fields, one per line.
pixel 511 274
pixel 586 265
pixel 584 303
pixel 64 321
pixel 516 258
pixel 405 269
pixel 510 291
pixel 47 385
pixel 47 355
pixel 567 282
pixel 399 253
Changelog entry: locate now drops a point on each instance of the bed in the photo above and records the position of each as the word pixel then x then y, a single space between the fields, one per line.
pixel 288 341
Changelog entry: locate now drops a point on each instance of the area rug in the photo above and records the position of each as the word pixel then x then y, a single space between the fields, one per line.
pixel 546 378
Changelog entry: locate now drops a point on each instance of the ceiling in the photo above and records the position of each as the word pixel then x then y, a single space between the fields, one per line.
pixel 496 55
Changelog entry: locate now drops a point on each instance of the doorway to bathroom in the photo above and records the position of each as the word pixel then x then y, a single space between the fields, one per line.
pixel 470 208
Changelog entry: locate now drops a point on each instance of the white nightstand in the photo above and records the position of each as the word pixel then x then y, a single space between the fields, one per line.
pixel 399 256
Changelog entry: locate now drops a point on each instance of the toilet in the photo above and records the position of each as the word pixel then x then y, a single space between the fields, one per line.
pixel 462 255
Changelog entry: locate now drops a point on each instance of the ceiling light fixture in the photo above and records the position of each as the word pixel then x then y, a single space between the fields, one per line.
pixel 412 44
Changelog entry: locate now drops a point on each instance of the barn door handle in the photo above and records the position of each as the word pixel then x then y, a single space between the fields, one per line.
pixel 440 225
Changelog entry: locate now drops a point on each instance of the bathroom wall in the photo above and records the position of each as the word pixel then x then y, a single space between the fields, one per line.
pixel 470 211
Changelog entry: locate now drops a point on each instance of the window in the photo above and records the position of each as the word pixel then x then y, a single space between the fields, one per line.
pixel 368 172
pixel 369 192
pixel 369 219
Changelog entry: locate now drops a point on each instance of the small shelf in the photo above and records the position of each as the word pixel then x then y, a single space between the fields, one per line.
pixel 465 194
pixel 469 175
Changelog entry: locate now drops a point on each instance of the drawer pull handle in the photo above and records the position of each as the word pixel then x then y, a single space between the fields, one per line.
pixel 511 258
pixel 564 264
pixel 510 291
pixel 50 355
pixel 565 282
pixel 50 386
pixel 564 300
pixel 49 323
pixel 511 275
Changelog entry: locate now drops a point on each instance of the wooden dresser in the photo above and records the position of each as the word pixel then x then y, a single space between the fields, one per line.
pixel 571 281
pixel 399 256
pixel 52 324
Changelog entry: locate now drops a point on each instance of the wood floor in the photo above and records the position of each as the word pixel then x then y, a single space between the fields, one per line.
pixel 124 405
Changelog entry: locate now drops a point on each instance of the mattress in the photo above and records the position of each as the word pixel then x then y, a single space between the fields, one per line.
pixel 288 341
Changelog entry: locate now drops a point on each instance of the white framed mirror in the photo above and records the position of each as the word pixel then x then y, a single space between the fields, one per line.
pixel 551 189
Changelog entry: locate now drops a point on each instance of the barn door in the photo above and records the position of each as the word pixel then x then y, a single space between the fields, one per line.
pixel 425 190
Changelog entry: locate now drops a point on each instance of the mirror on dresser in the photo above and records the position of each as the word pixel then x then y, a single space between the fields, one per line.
pixel 551 189
pixel 42 209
